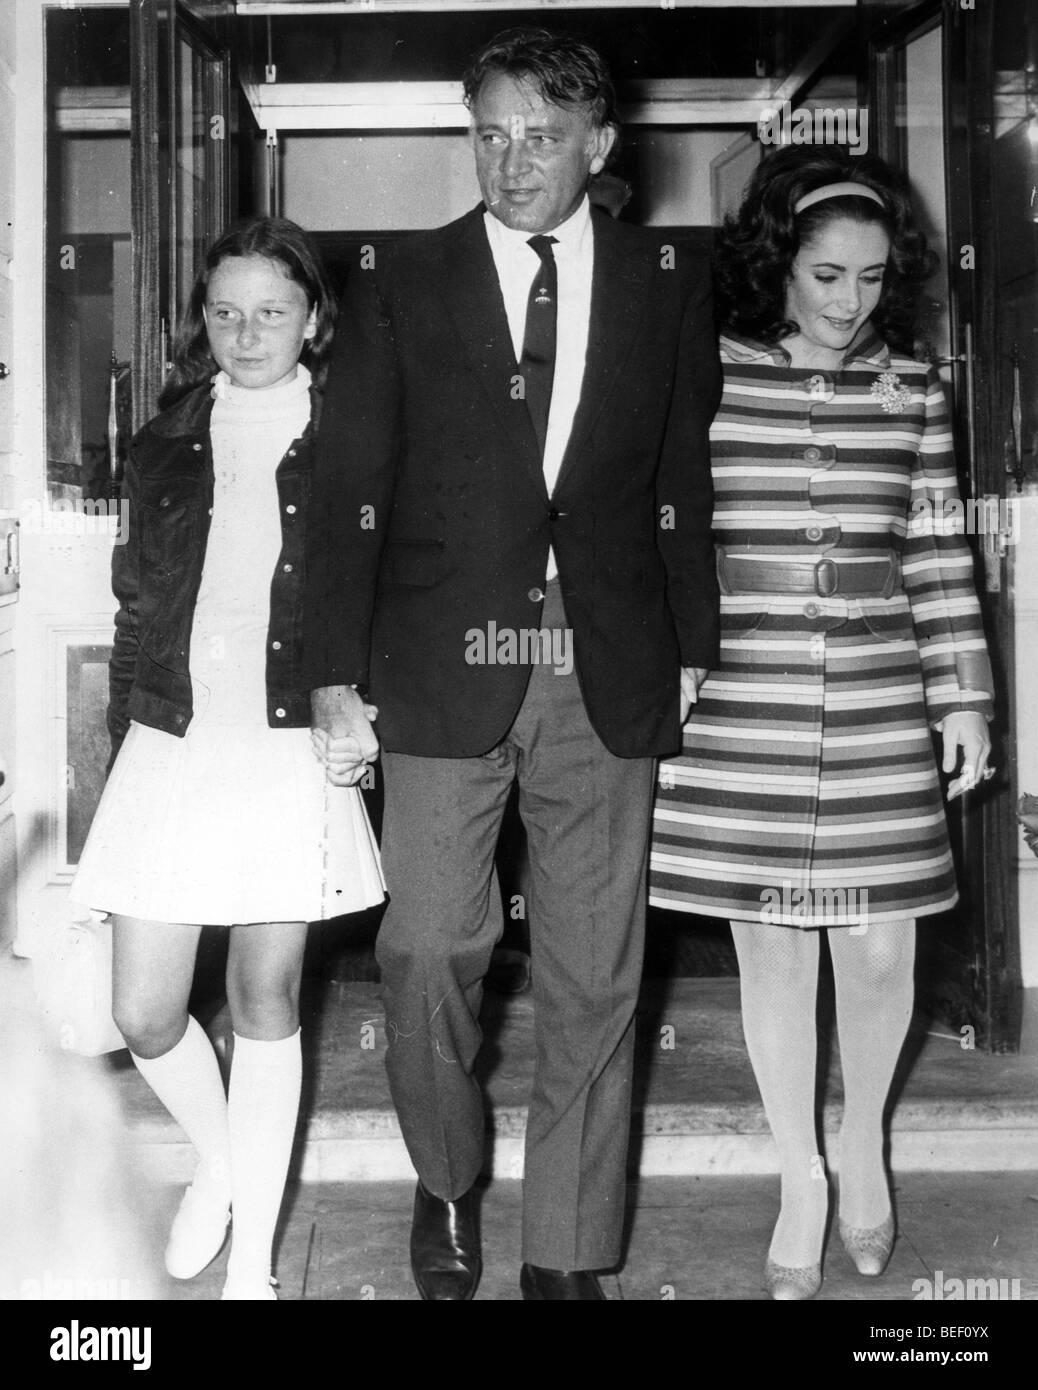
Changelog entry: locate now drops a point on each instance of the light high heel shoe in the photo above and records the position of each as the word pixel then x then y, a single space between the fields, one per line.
pixel 197 1234
pixel 786 1284
pixel 796 1283
pixel 869 1247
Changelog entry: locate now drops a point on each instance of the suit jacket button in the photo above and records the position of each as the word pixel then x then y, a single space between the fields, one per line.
pixel 553 514
pixel 535 595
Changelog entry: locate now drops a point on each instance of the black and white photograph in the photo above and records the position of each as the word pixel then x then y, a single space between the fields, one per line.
pixel 519 666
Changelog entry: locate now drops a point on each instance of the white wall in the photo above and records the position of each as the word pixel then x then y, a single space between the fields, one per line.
pixel 354 182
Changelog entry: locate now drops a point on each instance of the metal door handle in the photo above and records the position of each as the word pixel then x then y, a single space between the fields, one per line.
pixel 12 563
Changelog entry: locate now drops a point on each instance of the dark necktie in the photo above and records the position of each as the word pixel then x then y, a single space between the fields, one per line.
pixel 538 361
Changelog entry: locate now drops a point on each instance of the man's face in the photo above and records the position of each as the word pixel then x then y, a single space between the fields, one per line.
pixel 533 159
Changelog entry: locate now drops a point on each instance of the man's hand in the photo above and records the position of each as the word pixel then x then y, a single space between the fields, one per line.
pixel 968 730
pixel 692 677
pixel 341 733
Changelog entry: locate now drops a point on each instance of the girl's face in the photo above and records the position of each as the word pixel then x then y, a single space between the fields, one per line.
pixel 257 320
pixel 836 281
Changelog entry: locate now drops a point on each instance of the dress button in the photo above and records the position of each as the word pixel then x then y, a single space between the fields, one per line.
pixel 210 511
pixel 290 509
pixel 813 533
pixel 811 610
pixel 535 595
pixel 280 713
pixel 287 569
pixel 276 646
pixel 813 454
pixel 291 453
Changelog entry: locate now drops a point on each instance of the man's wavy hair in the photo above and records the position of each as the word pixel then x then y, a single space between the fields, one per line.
pixel 758 244
pixel 276 239
pixel 566 70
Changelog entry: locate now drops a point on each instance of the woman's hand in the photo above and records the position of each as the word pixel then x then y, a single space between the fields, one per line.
pixel 341 733
pixel 968 730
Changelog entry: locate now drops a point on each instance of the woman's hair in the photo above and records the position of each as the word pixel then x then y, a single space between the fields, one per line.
pixel 276 239
pixel 566 70
pixel 758 244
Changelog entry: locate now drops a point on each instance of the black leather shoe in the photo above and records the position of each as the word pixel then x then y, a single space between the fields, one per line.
pixel 445 1255
pixel 555 1284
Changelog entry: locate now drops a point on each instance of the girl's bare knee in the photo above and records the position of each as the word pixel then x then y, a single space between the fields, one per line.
pixel 264 1009
pixel 148 1032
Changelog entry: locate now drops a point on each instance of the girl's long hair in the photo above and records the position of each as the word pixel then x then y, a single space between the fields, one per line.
pixel 276 239
pixel 758 244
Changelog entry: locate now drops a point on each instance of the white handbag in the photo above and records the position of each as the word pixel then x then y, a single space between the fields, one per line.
pixel 74 987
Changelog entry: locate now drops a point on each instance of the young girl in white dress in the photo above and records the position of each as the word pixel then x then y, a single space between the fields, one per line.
pixel 217 809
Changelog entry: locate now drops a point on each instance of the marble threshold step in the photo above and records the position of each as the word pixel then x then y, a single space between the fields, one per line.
pixel 696 1107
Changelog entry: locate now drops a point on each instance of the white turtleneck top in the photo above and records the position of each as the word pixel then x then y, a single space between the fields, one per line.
pixel 251 430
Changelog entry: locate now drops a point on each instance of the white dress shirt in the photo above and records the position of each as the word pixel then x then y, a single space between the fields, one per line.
pixel 517 263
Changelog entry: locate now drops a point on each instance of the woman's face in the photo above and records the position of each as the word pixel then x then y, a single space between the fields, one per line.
pixel 257 320
pixel 836 280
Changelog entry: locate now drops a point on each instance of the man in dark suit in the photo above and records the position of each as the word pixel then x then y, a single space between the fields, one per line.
pixel 511 557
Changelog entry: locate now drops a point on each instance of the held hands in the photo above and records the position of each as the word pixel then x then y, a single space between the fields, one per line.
pixel 969 731
pixel 692 677
pixel 341 733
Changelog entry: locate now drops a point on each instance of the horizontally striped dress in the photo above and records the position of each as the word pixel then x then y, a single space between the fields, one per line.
pixel 807 792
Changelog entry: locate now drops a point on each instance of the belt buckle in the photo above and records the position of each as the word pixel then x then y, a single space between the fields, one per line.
pixel 827 578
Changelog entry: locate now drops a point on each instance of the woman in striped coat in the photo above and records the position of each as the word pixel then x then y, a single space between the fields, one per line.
pixel 806 797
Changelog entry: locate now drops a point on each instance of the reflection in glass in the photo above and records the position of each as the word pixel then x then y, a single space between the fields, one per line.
pixel 88 270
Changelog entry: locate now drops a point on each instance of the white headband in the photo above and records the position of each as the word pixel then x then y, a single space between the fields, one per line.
pixel 837 190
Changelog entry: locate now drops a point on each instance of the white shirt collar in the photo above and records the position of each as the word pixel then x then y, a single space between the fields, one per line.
pixel 571 234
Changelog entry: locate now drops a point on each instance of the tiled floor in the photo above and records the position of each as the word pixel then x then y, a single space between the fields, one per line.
pixel 690 1238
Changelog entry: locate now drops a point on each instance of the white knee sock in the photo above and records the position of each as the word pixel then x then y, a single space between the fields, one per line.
pixel 187 1080
pixel 872 972
pixel 778 973
pixel 263 1106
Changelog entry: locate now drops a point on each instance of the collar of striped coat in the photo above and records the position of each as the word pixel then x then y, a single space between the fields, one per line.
pixel 866 347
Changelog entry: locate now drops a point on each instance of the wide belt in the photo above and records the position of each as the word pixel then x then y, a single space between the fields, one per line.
pixel 876 577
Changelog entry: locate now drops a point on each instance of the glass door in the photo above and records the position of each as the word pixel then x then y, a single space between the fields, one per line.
pixel 182 149
pixel 931 91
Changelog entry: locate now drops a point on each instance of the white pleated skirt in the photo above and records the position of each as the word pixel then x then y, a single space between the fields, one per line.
pixel 232 823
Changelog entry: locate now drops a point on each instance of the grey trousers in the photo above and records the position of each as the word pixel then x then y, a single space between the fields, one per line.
pixel 587 816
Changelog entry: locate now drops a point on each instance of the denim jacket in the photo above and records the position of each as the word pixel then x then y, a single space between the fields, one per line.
pixel 156 574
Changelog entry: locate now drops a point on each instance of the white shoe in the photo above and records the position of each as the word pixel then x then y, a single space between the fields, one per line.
pixel 254 1292
pixel 197 1235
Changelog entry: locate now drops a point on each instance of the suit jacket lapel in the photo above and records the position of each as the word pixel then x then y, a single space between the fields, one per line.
pixel 468 284
pixel 619 296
